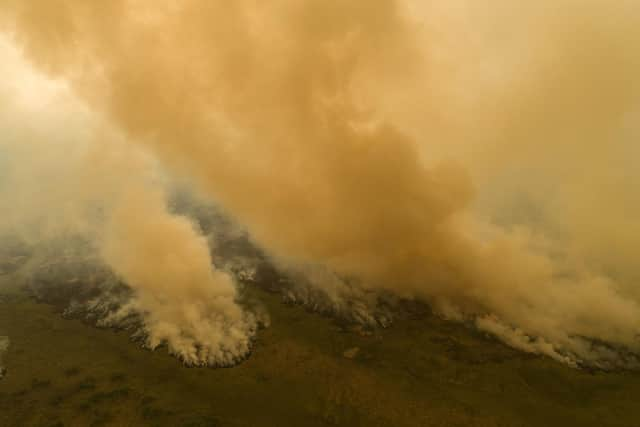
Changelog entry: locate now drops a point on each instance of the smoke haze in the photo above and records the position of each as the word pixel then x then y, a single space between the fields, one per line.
pixel 478 158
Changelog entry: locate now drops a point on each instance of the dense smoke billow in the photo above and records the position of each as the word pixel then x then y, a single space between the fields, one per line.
pixel 72 183
pixel 476 157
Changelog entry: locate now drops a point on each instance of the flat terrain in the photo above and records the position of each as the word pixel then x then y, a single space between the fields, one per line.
pixel 421 371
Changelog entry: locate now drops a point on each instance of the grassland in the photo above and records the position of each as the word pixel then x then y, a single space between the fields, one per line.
pixel 421 371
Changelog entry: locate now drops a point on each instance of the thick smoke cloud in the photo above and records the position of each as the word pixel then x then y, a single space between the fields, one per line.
pixel 68 174
pixel 479 158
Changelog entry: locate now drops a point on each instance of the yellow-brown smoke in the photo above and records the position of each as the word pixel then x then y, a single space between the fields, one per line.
pixel 476 157
pixel 66 173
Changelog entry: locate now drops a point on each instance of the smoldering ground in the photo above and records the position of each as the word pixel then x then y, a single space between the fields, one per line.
pixel 476 158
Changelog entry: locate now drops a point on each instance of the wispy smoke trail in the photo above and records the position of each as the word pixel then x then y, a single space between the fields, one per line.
pixel 475 157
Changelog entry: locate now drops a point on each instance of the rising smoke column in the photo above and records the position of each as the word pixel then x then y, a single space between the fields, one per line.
pixel 67 173
pixel 185 302
pixel 328 129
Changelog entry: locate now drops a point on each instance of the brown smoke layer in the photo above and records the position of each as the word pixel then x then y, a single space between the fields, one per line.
pixel 478 157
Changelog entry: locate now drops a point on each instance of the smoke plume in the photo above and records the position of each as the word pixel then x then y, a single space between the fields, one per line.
pixel 69 174
pixel 478 157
